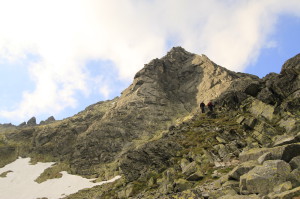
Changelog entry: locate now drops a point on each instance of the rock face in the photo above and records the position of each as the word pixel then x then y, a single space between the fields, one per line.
pixel 263 179
pixel 164 90
pixel 31 121
pixel 156 138
pixel 49 120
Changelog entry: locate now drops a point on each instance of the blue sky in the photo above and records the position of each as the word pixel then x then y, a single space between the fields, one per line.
pixel 57 57
pixel 287 44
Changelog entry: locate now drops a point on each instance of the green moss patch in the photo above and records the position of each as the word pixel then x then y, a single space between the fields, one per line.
pixel 4 174
pixel 52 172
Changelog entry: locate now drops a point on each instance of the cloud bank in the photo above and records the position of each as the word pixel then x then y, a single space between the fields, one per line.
pixel 66 35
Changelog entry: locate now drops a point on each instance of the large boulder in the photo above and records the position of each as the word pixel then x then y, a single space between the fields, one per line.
pixel 192 171
pixel 263 179
pixel 286 153
pixel 286 139
pixel 241 169
pixel 290 123
pixel 259 109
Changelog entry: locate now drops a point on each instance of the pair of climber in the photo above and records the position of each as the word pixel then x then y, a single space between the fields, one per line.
pixel 209 105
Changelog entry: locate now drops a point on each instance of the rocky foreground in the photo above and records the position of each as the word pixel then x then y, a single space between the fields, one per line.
pixel 156 138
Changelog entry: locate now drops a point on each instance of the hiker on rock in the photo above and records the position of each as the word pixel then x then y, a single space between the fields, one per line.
pixel 202 106
pixel 210 106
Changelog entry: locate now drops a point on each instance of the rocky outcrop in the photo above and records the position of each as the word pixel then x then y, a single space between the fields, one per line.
pixel 48 120
pixel 163 91
pixel 31 121
pixel 263 179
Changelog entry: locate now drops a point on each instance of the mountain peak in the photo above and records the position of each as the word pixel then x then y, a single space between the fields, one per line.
pixel 155 135
pixel 178 51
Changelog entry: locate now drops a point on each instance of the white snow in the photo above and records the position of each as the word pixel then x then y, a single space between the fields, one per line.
pixel 20 184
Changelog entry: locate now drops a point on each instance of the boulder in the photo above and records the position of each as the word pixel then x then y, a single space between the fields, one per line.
pixel 253 154
pixel 126 192
pixel 167 181
pixel 241 169
pixel 191 168
pixel 222 150
pixel 286 139
pixel 214 194
pixel 249 123
pixel 263 179
pixel 287 194
pixel 283 187
pixel 289 123
pixel 294 177
pixel 264 157
pixel 260 109
pixel 286 153
pixel 231 184
pixel 183 163
pixel 295 163
pixel 240 119
pixel 196 176
pixel 221 140
pixel 181 185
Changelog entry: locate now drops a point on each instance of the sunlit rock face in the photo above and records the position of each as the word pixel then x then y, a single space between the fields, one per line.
pixel 164 90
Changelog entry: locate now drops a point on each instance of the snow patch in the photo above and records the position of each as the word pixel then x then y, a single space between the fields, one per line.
pixel 20 184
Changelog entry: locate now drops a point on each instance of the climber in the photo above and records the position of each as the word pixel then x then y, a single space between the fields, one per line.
pixel 202 106
pixel 210 106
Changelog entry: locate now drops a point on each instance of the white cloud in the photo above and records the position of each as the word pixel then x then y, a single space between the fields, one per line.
pixel 105 91
pixel 271 44
pixel 66 34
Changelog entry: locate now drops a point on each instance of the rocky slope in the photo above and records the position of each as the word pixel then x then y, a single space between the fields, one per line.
pixel 155 137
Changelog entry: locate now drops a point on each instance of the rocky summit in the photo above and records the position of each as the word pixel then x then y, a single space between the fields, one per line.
pixel 156 137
